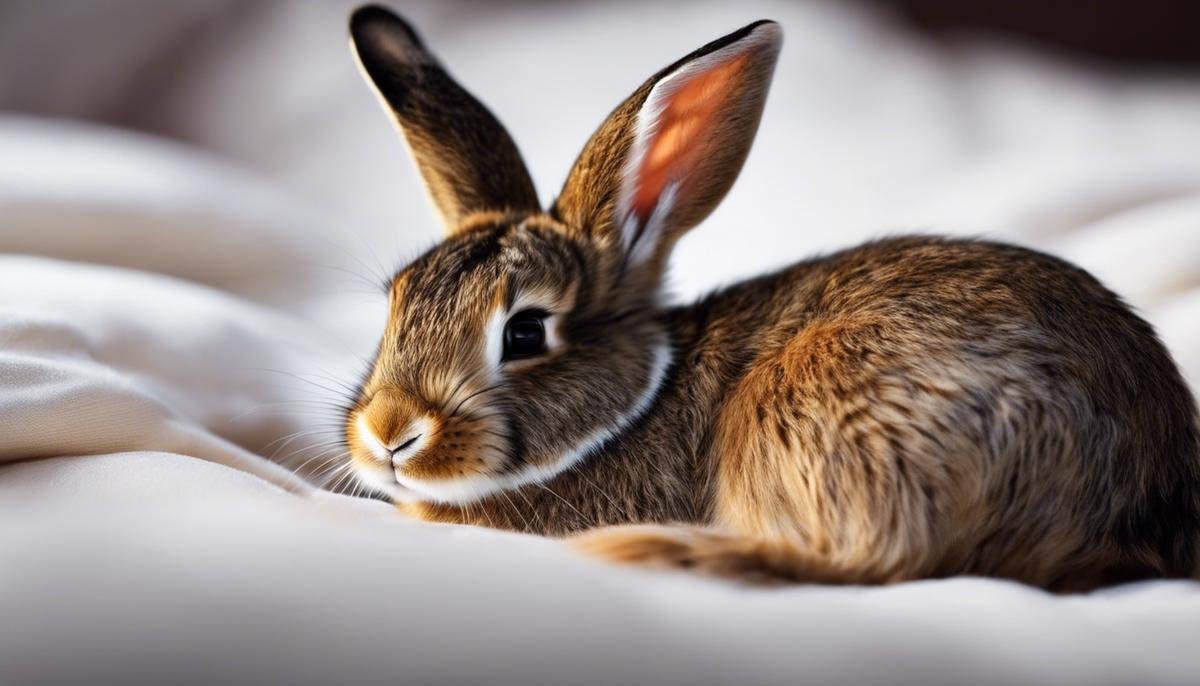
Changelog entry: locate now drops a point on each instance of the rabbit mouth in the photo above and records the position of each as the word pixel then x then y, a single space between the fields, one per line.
pixel 447 461
pixel 384 482
pixel 402 488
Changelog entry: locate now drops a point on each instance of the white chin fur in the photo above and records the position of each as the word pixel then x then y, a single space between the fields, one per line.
pixel 462 491
pixel 382 482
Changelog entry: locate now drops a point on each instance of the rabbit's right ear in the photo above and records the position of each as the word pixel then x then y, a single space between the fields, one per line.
pixel 666 156
pixel 467 159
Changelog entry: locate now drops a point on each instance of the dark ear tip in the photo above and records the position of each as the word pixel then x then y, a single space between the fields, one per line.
pixel 768 30
pixel 371 20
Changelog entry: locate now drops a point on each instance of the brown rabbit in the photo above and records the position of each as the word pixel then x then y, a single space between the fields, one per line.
pixel 915 407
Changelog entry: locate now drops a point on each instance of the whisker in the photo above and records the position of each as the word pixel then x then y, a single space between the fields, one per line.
pixel 451 396
pixel 583 518
pixel 476 417
pixel 343 480
pixel 297 377
pixel 476 394
pixel 283 441
pixel 484 510
pixel 533 510
pixel 321 450
pixel 315 408
pixel 524 521
pixel 616 508
pixel 339 383
pixel 331 466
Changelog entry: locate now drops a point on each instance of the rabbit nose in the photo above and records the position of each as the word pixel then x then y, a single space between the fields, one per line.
pixel 406 449
pixel 395 426
pixel 405 445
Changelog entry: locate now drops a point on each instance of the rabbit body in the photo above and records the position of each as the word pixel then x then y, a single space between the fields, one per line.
pixel 910 408
pixel 914 407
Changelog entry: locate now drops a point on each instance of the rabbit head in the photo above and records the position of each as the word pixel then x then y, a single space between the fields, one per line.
pixel 528 337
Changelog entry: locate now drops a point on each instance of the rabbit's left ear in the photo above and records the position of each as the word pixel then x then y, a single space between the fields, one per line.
pixel 467 159
pixel 665 158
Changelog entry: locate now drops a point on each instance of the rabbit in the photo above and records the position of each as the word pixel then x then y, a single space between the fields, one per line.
pixel 915 407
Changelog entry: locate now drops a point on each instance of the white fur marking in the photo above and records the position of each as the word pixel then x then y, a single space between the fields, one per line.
pixel 493 335
pixel 374 446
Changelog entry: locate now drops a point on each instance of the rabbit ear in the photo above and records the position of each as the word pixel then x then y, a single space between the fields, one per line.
pixel 467 159
pixel 667 156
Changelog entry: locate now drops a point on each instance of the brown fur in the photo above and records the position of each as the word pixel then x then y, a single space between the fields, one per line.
pixel 911 408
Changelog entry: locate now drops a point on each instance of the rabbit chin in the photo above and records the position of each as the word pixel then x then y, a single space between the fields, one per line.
pixel 382 482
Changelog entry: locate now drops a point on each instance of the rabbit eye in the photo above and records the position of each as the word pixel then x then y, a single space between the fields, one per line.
pixel 525 335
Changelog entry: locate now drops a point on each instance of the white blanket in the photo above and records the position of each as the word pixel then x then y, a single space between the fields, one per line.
pixel 167 320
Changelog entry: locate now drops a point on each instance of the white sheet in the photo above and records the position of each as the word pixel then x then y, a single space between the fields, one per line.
pixel 173 316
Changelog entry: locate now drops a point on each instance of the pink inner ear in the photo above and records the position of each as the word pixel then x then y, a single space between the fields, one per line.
pixel 684 131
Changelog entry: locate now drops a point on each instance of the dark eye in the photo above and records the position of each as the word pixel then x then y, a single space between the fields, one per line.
pixel 525 335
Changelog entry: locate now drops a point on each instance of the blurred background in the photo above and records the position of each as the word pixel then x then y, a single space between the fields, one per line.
pixel 1071 126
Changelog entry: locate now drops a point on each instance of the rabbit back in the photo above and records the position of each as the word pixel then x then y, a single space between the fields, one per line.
pixel 921 407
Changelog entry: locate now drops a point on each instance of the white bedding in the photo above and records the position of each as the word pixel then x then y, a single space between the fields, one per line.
pixel 168 318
